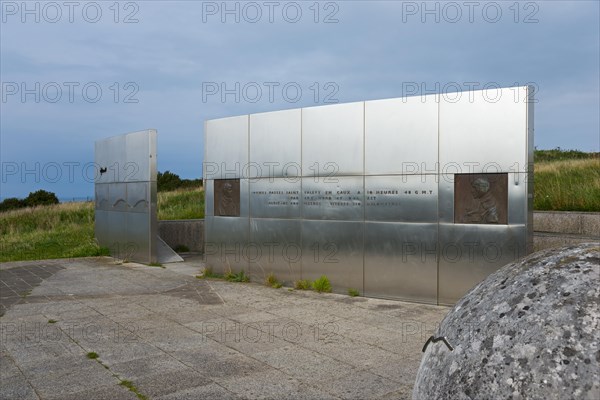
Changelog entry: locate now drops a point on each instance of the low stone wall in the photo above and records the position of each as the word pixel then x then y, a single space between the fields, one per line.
pixel 185 232
pixel 562 228
pixel 551 229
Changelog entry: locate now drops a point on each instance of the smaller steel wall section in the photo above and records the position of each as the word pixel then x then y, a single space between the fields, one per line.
pixel 415 198
pixel 125 187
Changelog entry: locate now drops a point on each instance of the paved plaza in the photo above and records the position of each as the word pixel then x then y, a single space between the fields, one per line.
pixel 161 333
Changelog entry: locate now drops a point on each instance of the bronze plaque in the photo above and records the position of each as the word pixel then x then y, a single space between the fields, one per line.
pixel 227 197
pixel 481 199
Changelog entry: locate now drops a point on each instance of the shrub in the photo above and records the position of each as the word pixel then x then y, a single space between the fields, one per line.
pixel 353 292
pixel 12 203
pixel 272 281
pixel 302 284
pixel 239 277
pixel 41 198
pixel 322 284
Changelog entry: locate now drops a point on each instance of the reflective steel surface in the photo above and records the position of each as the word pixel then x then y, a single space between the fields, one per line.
pixel 365 192
pixel 125 197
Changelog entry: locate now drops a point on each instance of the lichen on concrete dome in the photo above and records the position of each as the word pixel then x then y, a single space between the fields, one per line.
pixel 528 331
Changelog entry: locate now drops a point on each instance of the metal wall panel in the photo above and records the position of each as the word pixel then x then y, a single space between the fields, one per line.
pixel 401 136
pixel 276 144
pixel 226 148
pixel 125 192
pixel 275 198
pixel 401 198
pixel 139 154
pixel 101 196
pixel 333 198
pixel 378 192
pixel 334 249
pixel 117 197
pixel 138 198
pixel 480 134
pixel 226 244
pixel 110 158
pixel 209 197
pixel 469 253
pixel 275 247
pixel 401 261
pixel 333 140
pixel 517 198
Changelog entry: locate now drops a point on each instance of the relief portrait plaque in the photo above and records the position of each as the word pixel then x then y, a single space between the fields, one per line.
pixel 227 197
pixel 481 199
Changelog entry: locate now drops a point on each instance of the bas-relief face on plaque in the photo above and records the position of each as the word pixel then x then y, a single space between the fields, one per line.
pixel 227 197
pixel 481 199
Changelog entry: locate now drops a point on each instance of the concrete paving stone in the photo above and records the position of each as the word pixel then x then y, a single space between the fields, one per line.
pixel 146 366
pixel 209 391
pixel 73 380
pixel 190 342
pixel 307 316
pixel 360 385
pixel 272 385
pixel 109 392
pixel 304 364
pixel 410 345
pixel 353 353
pixel 16 388
pixel 25 309
pixel 167 331
pixel 29 352
pixel 51 366
pixel 207 352
pixel 253 316
pixel 226 366
pixel 318 338
pixel 231 310
pixel 250 340
pixel 403 393
pixel 402 372
pixel 295 332
pixel 185 316
pixel 121 352
pixel 166 383
pixel 8 368
pixel 210 325
pixel 365 333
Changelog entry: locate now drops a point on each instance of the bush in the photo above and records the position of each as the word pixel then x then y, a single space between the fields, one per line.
pixel 41 198
pixel 302 284
pixel 322 284
pixel 353 292
pixel 168 181
pixel 272 281
pixel 12 203
pixel 240 277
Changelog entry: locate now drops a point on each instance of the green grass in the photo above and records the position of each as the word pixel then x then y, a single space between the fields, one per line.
pixel 353 292
pixel 56 231
pixel 92 355
pixel 322 284
pixel 181 204
pixel 272 281
pixel 567 185
pixel 129 385
pixel 209 274
pixel 239 277
pixel 302 284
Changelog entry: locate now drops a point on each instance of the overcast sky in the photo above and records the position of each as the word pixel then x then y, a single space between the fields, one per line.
pixel 75 72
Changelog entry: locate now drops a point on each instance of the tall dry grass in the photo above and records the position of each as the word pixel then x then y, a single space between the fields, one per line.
pixel 567 185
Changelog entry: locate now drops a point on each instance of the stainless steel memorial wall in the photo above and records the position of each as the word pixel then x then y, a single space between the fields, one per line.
pixel 125 195
pixel 415 198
